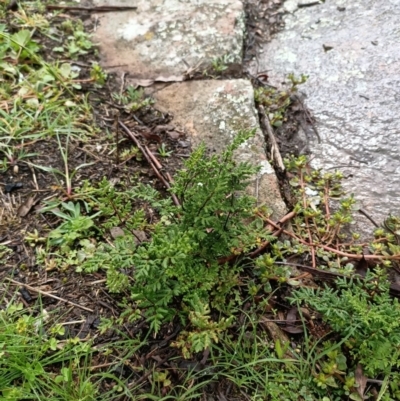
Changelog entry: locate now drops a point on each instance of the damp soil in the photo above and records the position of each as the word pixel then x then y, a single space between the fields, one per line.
pixel 264 20
pixel 83 299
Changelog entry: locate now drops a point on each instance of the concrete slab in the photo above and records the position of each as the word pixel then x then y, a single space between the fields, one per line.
pixel 214 111
pixel 165 37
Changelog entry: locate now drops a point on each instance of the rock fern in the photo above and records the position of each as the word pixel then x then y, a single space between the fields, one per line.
pixel 178 273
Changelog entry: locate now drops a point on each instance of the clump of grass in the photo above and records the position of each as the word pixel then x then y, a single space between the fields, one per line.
pixel 35 363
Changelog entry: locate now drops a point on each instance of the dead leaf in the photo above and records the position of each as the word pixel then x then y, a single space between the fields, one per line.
pixel 291 316
pixel 173 135
pixel 162 128
pixel 291 319
pixel 148 82
pixel 275 334
pixel 292 329
pixel 145 133
pixel 184 144
pixel 361 380
pixel 141 82
pixel 26 207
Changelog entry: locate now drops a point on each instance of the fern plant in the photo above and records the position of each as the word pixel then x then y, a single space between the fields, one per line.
pixel 179 272
pixel 181 261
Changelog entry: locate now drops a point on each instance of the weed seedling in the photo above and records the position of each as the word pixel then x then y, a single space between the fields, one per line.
pixel 98 74
pixel 133 99
pixel 67 175
pixel 220 64
pixel 163 152
pixel 277 102
pixel 74 226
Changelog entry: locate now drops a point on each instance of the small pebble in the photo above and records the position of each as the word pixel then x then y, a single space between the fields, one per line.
pixel 12 186
pixel 117 232
pixel 184 144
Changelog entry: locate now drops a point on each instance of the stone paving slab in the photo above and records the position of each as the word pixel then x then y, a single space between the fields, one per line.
pixel 166 37
pixel 350 50
pixel 214 111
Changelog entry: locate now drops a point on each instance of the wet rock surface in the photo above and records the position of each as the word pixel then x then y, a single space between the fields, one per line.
pixel 214 111
pixel 166 37
pixel 350 50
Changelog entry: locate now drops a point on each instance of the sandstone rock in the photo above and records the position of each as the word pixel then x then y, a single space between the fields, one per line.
pixel 166 37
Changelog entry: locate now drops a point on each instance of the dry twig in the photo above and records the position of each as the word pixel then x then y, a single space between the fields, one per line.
pixel 149 160
pixel 90 9
pixel 47 294
pixel 276 155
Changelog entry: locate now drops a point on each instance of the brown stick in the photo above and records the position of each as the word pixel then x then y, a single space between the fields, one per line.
pixel 302 184
pixel 256 252
pixel 170 179
pixel 264 245
pixel 47 294
pixel 278 231
pixel 394 289
pixel 149 160
pixel 363 212
pixel 153 158
pixel 90 9
pixel 276 155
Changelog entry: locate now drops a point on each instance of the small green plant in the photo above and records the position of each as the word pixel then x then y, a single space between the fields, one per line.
pixel 364 312
pixel 98 74
pixel 75 225
pixel 163 152
pixel 5 253
pixel 35 107
pixel 133 99
pixel 12 158
pixel 131 152
pixel 277 102
pixel 31 20
pixel 67 175
pixel 265 369
pixel 36 364
pixel 220 64
pixel 78 41
pixel 19 46
pixel 181 262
